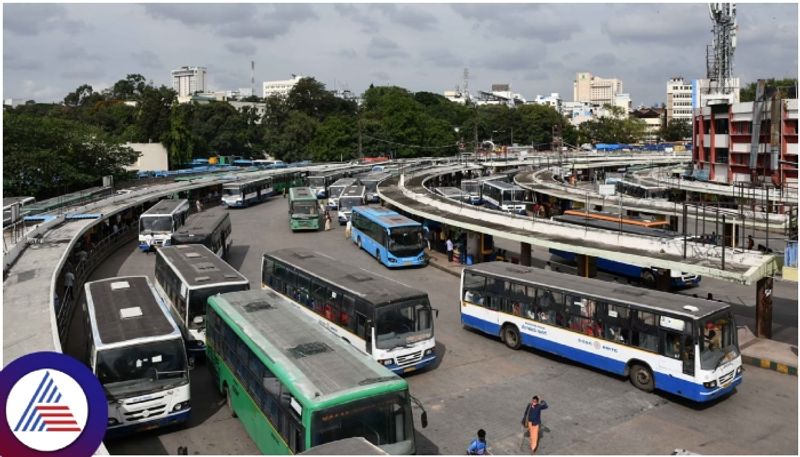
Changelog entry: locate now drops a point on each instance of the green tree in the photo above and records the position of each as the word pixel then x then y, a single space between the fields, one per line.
pixel 787 86
pixel 180 142
pixel 153 116
pixel 335 139
pixel 292 143
pixel 676 130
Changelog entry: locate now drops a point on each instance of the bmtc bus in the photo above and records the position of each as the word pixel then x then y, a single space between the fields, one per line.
pixel 472 191
pixel 503 195
pixel 351 197
pixel 295 387
pixel 160 221
pixel 395 240
pixel 370 183
pixel 336 189
pixel 242 194
pixel 211 228
pixel 186 275
pixel 683 345
pixel 304 210
pixel 136 351
pixel 377 315
pixel 319 183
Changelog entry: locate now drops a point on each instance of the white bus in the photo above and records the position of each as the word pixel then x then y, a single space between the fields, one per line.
pixel 371 182
pixel 136 351
pixel 157 224
pixel 351 197
pixel 384 318
pixel 504 196
pixel 186 275
pixel 336 189
pixel 241 194
pixel 472 191
pixel 683 345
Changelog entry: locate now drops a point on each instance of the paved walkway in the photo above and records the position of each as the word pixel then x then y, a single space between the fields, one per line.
pixel 761 352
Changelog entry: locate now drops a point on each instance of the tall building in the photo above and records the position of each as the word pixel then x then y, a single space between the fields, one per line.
pixel 280 88
pixel 189 80
pixel 679 100
pixel 595 90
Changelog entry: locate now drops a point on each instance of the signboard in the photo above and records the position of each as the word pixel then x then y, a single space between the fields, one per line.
pixel 607 189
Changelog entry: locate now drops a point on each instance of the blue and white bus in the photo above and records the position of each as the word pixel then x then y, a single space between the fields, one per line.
pixel 241 194
pixel 683 345
pixel 503 196
pixel 160 222
pixel 395 240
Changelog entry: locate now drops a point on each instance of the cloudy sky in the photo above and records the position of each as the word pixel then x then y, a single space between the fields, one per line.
pixel 50 49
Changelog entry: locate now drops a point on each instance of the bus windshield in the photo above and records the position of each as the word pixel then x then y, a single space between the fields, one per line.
pixel 197 303
pixel 349 202
pixel 719 340
pixel 316 181
pixel 231 191
pixel 473 187
pixel 403 323
pixel 154 224
pixel 335 191
pixel 383 420
pixel 142 368
pixel 405 241
pixel 307 208
pixel 371 186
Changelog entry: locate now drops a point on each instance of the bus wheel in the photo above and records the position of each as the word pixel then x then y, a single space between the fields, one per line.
pixel 378 254
pixel 359 242
pixel 648 278
pixel 511 337
pixel 642 378
pixel 228 401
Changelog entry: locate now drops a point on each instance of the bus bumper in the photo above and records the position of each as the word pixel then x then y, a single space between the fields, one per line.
pixel 421 365
pixel 693 391
pixel 171 419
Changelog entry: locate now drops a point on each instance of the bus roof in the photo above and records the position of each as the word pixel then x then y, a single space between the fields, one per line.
pixel 353 191
pixel 199 267
pixel 386 217
pixel 198 226
pixel 126 308
pixel 343 182
pixel 654 299
pixel 370 286
pixel 246 182
pixel 167 206
pixel 317 363
pixel 376 176
pixel 301 193
pixel 504 185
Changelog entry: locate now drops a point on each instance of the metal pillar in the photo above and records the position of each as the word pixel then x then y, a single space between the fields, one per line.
pixel 764 308
pixel 525 254
pixel 587 265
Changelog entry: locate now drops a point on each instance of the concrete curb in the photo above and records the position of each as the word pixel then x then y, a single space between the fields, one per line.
pixel 436 265
pixel 769 365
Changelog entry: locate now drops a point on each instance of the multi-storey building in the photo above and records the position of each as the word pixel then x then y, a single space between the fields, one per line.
pixel 653 119
pixel 280 88
pixel 595 90
pixel 189 80
pixel 553 100
pixel 679 100
pixel 722 143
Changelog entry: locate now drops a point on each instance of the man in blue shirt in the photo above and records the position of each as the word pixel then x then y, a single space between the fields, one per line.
pixel 532 419
pixel 478 445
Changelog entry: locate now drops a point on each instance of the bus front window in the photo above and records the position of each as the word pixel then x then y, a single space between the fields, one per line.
pixel 231 191
pixel 143 368
pixel 406 241
pixel 401 324
pixel 718 342
pixel 316 181
pixel 155 224
pixel 347 203
pixel 371 186
pixel 383 421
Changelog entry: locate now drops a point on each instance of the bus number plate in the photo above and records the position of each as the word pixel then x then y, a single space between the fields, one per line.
pixel 409 369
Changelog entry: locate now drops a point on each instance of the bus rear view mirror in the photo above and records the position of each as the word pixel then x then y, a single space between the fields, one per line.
pixel 424 419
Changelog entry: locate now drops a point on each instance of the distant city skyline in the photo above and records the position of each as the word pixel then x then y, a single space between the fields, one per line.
pixel 51 49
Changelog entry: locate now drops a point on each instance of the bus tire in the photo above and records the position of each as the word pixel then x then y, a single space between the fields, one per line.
pixel 378 254
pixel 648 278
pixel 228 401
pixel 511 336
pixel 642 377
pixel 358 242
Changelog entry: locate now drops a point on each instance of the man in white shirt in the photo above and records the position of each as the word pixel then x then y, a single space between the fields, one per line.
pixel 449 244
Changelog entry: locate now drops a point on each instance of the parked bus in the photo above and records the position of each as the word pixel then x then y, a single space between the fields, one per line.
pixel 136 351
pixel 320 182
pixel 352 196
pixel 371 182
pixel 160 221
pixel 242 194
pixel 285 180
pixel 683 345
pixel 641 190
pixel 211 228
pixel 305 212
pixel 472 191
pixel 336 189
pixel 379 316
pixel 503 195
pixel 294 386
pixel 186 276
pixel 395 240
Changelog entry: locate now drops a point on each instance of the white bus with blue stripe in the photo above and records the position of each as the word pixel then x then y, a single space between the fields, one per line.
pixel 503 196
pixel 395 240
pixel 160 221
pixel 674 343
pixel 242 194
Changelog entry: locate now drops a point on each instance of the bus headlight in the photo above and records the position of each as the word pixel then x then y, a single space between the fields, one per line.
pixel 385 362
pixel 429 351
pixel 392 260
pixel 739 370
pixel 710 384
pixel 180 406
pixel 112 421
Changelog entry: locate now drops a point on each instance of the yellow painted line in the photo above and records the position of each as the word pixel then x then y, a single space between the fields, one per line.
pixel 783 368
pixel 764 363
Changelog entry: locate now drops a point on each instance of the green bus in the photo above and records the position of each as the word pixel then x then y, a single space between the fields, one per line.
pixel 294 385
pixel 286 179
pixel 304 210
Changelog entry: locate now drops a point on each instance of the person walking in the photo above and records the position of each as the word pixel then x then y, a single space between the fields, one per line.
pixel 327 221
pixel 347 229
pixel 478 445
pixel 449 245
pixel 199 205
pixel 532 420
pixel 750 242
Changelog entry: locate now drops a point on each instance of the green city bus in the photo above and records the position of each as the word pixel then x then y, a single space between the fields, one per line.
pixel 304 210
pixel 294 385
pixel 284 180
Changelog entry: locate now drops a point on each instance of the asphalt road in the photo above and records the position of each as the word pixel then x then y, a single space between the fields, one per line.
pixel 479 383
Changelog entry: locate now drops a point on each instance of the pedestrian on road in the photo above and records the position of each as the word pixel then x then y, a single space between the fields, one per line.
pixel 449 245
pixel 750 242
pixel 199 205
pixel 284 191
pixel 347 229
pixel 327 221
pixel 478 445
pixel 532 420
pixel 548 267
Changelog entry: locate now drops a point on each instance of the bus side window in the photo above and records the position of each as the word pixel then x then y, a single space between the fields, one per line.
pixel 474 288
pixel 687 353
pixel 644 332
pixel 671 344
pixel 495 290
pixel 348 313
pixel 615 323
pixel 361 326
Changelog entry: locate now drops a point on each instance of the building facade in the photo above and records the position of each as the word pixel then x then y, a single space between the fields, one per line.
pixel 595 90
pixel 679 100
pixel 553 100
pixel 721 147
pixel 187 81
pixel 280 88
pixel 654 119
